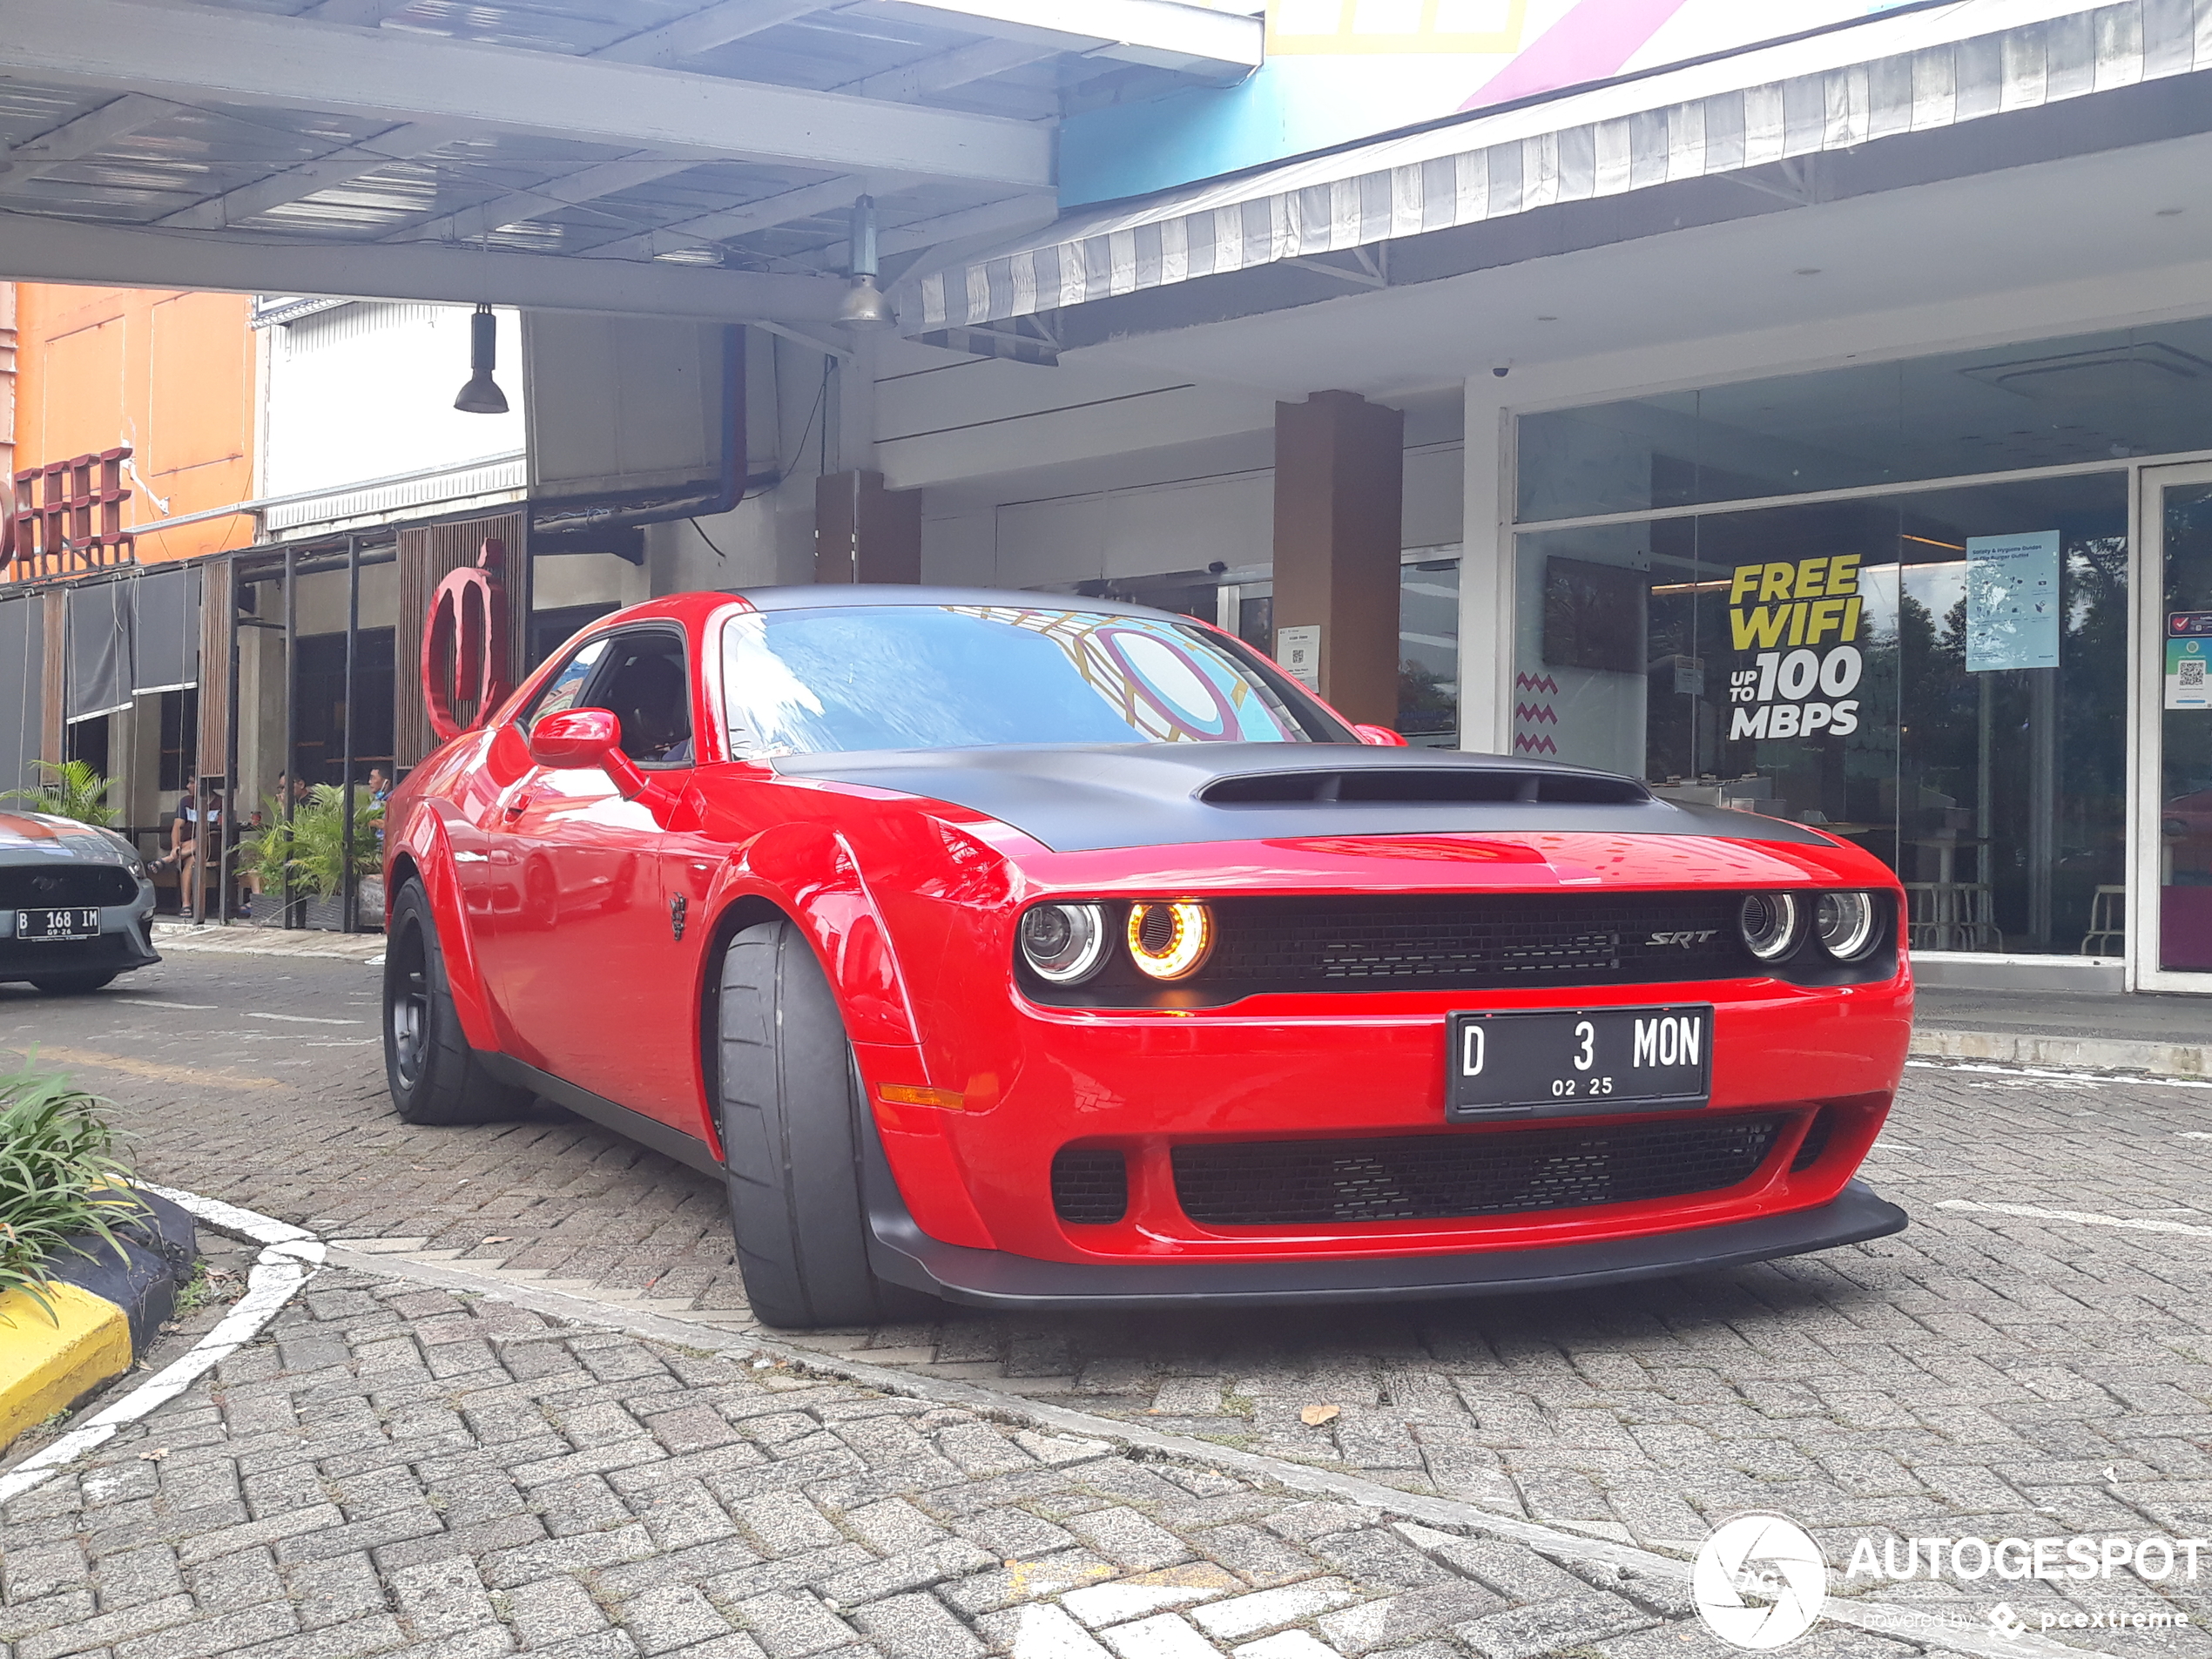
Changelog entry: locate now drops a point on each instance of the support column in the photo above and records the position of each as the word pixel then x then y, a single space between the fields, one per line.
pixel 864 532
pixel 1339 499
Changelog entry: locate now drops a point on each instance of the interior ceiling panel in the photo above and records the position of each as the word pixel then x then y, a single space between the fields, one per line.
pixel 133 141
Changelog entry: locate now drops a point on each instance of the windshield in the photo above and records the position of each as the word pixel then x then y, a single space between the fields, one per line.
pixel 967 677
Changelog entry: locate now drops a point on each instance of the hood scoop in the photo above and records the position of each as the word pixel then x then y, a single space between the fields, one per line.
pixel 1426 786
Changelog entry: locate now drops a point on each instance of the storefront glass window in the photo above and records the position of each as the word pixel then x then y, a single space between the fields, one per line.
pixel 1940 676
pixel 2090 398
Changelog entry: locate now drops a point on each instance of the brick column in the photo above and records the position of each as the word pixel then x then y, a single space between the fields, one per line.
pixel 864 532
pixel 1339 489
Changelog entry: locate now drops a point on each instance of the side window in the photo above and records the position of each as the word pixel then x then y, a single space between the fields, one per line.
pixel 646 684
pixel 562 690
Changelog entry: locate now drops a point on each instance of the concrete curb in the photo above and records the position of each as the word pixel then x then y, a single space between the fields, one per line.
pixel 106 1302
pixel 2085 1054
pixel 289 1259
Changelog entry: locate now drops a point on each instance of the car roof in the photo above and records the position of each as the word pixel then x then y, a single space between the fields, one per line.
pixel 814 595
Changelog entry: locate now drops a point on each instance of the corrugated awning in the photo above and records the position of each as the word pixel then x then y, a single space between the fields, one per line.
pixel 1916 72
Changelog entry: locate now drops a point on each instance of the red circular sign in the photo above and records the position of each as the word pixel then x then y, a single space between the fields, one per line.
pixel 464 644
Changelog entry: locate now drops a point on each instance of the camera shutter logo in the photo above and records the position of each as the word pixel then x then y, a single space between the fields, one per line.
pixel 1759 1581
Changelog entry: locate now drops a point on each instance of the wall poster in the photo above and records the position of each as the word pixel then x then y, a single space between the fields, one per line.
pixel 2012 600
pixel 1795 628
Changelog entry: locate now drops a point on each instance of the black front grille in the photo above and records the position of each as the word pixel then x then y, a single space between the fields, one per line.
pixel 1476 941
pixel 1429 1177
pixel 58 886
pixel 1089 1185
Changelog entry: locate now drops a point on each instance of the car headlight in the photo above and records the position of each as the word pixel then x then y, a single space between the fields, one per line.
pixel 1768 924
pixel 1063 944
pixel 1170 940
pixel 1843 922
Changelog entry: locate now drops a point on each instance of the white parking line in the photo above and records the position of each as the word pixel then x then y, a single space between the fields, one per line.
pixel 157 1003
pixel 301 1018
pixel 2034 1212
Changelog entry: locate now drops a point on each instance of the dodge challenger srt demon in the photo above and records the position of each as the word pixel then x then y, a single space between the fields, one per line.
pixel 1030 953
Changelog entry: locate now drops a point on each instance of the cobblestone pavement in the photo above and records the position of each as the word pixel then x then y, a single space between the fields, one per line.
pixel 1984 1374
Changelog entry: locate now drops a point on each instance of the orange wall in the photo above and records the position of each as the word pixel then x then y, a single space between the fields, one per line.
pixel 169 373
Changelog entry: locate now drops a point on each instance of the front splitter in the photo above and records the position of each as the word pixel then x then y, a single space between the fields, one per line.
pixel 901 1252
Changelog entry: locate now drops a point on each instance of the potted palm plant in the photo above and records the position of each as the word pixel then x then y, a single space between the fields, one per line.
pixel 308 853
pixel 72 789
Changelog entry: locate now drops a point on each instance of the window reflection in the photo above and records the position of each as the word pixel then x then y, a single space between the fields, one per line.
pixel 1817 663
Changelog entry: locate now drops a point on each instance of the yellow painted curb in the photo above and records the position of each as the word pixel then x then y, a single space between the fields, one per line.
pixel 49 1362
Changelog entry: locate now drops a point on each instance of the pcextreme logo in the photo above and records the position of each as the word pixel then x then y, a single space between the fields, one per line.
pixel 1759 1581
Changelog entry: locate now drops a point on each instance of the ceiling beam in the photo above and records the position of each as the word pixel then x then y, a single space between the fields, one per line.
pixel 1167 34
pixel 702 31
pixel 54 250
pixel 947 70
pixel 608 179
pixel 223 55
pixel 366 13
pixel 78 138
pixel 803 203
pixel 248 201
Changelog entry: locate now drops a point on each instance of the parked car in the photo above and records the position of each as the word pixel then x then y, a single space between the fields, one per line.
pixel 1032 953
pixel 76 907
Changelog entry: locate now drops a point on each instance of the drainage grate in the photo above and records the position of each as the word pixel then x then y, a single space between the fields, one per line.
pixel 1089 1185
pixel 1419 1177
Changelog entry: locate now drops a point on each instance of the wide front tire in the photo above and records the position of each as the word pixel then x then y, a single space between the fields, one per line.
pixel 434 1076
pixel 75 984
pixel 790 1105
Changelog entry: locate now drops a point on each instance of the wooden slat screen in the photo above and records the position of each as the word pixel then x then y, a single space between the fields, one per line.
pixel 53 732
pixel 218 622
pixel 427 556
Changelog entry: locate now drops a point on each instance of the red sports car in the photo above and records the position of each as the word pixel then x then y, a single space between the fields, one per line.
pixel 1032 952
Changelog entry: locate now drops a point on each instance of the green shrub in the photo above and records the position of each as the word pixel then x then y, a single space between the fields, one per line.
pixel 311 851
pixel 72 789
pixel 58 1177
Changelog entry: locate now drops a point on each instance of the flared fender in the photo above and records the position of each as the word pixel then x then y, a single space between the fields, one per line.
pixel 424 840
pixel 809 873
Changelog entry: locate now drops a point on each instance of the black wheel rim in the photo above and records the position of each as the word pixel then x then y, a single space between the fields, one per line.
pixel 407 1007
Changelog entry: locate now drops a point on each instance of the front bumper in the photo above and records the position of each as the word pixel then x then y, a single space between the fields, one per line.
pixel 899 1251
pixel 123 942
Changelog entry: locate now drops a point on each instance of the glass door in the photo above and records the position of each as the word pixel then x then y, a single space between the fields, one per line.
pixel 2173 843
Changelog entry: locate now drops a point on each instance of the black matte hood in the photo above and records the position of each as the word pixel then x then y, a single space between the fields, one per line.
pixel 1086 799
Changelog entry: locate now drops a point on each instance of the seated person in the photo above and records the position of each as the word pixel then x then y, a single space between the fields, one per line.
pixel 649 696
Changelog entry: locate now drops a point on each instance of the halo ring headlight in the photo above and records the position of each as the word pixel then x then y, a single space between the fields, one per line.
pixel 1064 944
pixel 1768 924
pixel 1844 924
pixel 1170 939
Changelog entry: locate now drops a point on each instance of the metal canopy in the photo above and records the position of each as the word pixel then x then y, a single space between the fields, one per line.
pixel 651 155
pixel 1763 117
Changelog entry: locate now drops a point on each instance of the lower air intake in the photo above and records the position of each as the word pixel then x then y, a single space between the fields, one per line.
pixel 1089 1185
pixel 1426 1177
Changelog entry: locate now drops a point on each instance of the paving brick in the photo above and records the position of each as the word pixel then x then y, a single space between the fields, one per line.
pixel 916 1627
pixel 1245 1615
pixel 1162 1637
pixel 1125 1537
pixel 1522 1633
pixel 1289 1644
pixel 671 1616
pixel 792 1624
pixel 551 1610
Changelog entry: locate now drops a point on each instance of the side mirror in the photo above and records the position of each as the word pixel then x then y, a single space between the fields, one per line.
pixel 575 738
pixel 1381 736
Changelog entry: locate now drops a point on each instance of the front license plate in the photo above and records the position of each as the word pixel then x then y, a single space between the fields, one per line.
pixel 57 924
pixel 1571 1064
